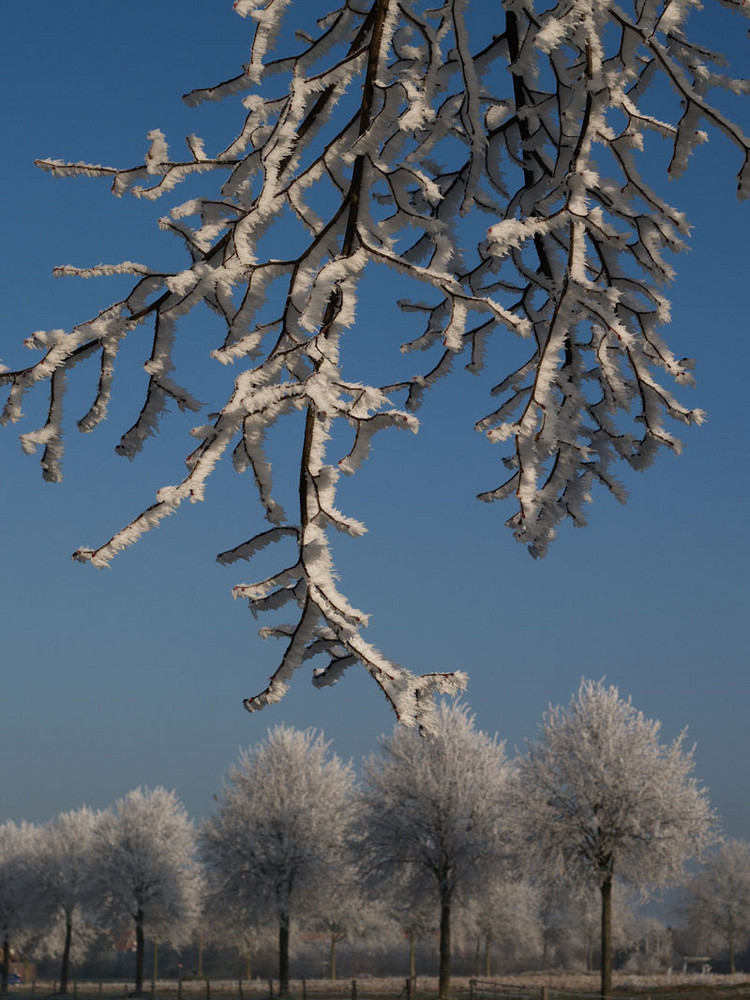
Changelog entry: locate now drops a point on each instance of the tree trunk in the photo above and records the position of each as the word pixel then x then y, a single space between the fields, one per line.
pixel 444 981
pixel 487 956
pixel 732 964
pixel 412 955
pixel 332 959
pixel 284 954
pixel 139 951
pixel 65 967
pixel 5 971
pixel 27 961
pixel 606 944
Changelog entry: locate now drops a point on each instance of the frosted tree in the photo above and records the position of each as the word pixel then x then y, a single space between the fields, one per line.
pixel 228 921
pixel 570 920
pixel 22 907
pixel 716 903
pixel 650 945
pixel 601 798
pixel 493 155
pixel 411 908
pixel 88 939
pixel 503 914
pixel 146 869
pixel 418 920
pixel 343 912
pixel 572 925
pixel 435 811
pixel 65 872
pixel 279 832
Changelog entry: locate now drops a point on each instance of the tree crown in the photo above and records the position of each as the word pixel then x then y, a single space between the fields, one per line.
pixel 602 796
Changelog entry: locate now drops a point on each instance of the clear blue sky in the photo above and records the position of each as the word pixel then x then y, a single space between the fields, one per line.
pixel 135 675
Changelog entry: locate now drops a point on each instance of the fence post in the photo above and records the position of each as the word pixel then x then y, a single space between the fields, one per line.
pixel 407 989
pixel 75 990
pixel 544 993
pixel 208 988
pixel 304 989
pixel 179 986
pixel 270 988
pixel 472 989
pixel 354 989
pixel 239 990
pixel 99 991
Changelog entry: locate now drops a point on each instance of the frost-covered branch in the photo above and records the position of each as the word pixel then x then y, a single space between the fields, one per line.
pixel 499 171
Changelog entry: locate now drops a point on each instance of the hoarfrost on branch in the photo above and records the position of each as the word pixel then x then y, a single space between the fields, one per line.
pixel 497 169
pixel 716 902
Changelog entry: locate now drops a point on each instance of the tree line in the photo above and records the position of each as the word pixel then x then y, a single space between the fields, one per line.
pixel 434 834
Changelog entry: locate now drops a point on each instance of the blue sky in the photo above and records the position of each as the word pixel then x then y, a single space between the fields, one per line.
pixel 135 675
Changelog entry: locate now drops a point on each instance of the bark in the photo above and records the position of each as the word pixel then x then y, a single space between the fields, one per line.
pixel 284 954
pixel 412 955
pixel 139 951
pixel 589 954
pixel 487 956
pixel 65 967
pixel 332 960
pixel 444 981
pixel 545 946
pixel 5 971
pixel 27 962
pixel 606 949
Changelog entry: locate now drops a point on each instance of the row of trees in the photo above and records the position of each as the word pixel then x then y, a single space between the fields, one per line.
pixel 431 828
pixel 135 863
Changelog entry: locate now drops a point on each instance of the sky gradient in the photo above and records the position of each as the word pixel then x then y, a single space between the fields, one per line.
pixel 135 675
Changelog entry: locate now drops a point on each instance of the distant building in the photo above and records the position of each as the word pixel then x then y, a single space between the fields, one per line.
pixel 696 963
